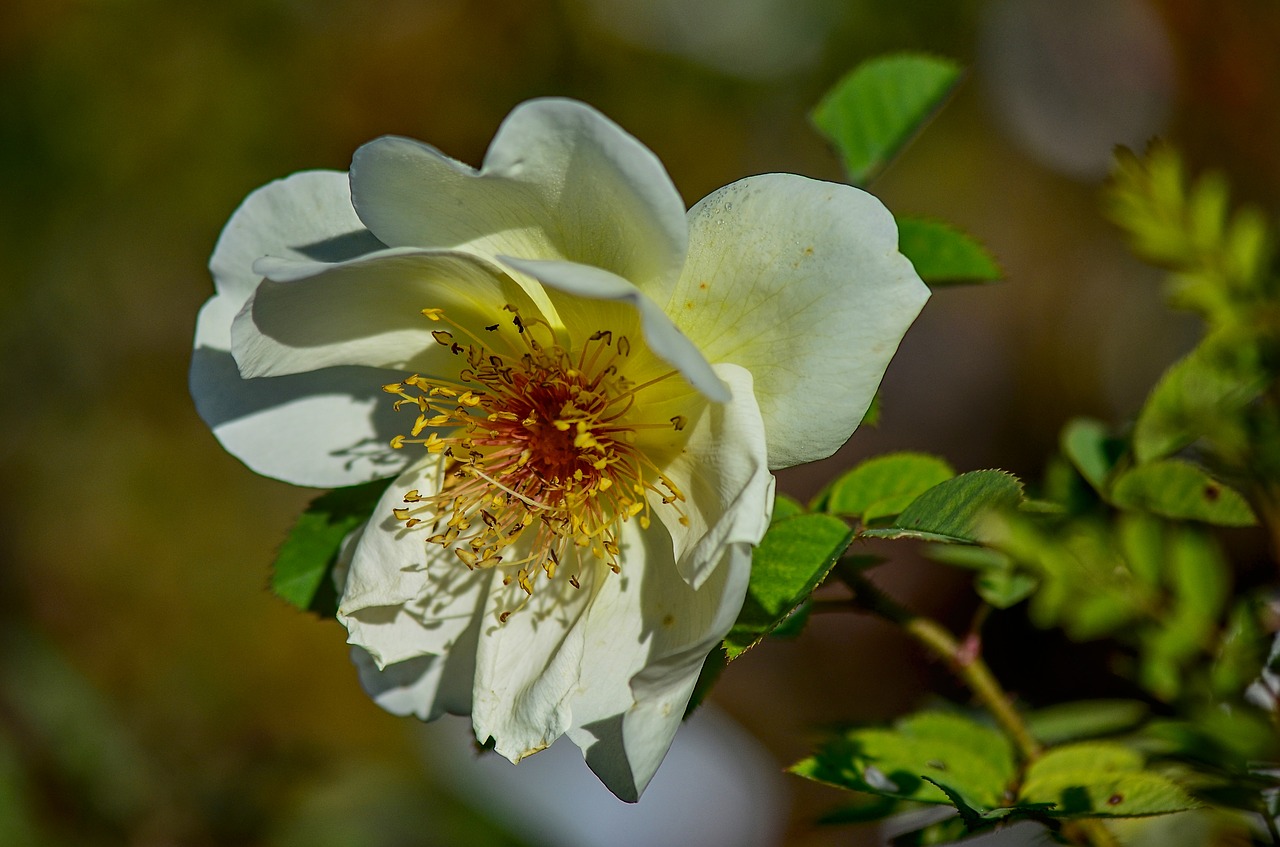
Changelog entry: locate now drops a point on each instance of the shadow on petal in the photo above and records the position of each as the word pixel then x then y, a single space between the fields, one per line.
pixel 341 248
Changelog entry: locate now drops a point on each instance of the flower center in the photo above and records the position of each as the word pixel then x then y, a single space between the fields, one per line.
pixel 540 450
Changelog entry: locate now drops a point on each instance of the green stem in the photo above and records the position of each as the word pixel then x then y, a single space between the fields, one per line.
pixel 975 674
pixel 934 637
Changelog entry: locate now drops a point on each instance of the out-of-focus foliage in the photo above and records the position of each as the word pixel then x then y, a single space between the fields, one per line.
pixel 1121 549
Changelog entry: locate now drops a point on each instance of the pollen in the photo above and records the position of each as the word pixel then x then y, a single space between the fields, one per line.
pixel 541 462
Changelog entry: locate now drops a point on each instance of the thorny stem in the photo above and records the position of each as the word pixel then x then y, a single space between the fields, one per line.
pixel 969 666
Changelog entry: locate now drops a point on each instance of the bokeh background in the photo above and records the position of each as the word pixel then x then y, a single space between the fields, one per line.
pixel 152 692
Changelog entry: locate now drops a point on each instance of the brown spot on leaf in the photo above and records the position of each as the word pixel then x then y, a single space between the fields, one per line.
pixel 1115 799
pixel 1212 493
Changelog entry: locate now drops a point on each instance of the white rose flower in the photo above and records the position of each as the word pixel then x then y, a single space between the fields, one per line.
pixel 580 389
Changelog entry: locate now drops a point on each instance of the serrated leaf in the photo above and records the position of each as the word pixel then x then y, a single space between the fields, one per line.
pixel 1173 488
pixel 974 760
pixel 883 486
pixel 794 556
pixel 944 255
pixel 1085 719
pixel 1092 450
pixel 1101 779
pixel 1099 756
pixel 1199 395
pixel 1125 795
pixel 301 572
pixel 876 108
pixel 953 511
pixel 1095 779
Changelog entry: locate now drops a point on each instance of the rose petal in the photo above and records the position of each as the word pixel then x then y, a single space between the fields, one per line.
pixel 404 598
pixel 801 283
pixel 369 312
pixel 723 473
pixel 306 216
pixel 560 181
pixel 646 642
pixel 528 667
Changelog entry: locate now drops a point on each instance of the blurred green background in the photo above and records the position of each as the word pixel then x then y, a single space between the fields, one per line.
pixel 152 692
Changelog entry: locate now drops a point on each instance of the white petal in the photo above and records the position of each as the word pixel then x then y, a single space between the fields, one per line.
pixel 324 429
pixel 660 334
pixel 369 312
pixel 528 667
pixel 306 216
pixel 724 474
pixel 560 181
pixel 427 686
pixel 403 598
pixel 801 283
pixel 646 643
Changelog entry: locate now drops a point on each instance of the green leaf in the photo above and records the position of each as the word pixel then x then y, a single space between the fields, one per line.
pixel 1197 575
pixel 998 581
pixel 1085 719
pixel 1097 756
pixel 1200 395
pixel 302 566
pixel 794 556
pixel 873 111
pixel 943 255
pixel 1092 450
pixel 953 511
pixel 786 507
pixel 1096 779
pixel 883 486
pixel 972 760
pixel 1177 489
pixel 871 417
pixel 712 668
pixel 1240 653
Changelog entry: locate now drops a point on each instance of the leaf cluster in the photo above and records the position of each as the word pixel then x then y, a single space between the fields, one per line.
pixel 1122 545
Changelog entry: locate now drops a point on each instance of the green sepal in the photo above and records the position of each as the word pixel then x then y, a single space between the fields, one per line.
pixel 304 563
pixel 872 112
